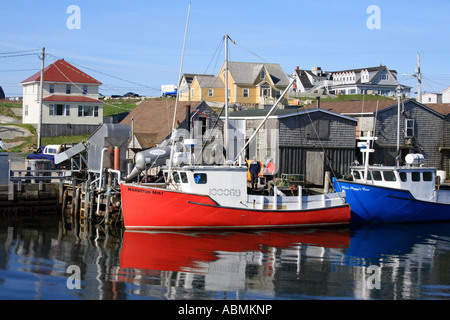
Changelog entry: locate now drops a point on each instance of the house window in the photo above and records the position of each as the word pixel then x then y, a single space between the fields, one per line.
pixel 262 75
pixel 210 92
pixel 278 94
pixel 51 88
pixel 384 77
pixel 26 109
pixel 68 89
pixel 245 93
pixel 85 89
pixel 87 111
pixel 409 128
pixel 59 110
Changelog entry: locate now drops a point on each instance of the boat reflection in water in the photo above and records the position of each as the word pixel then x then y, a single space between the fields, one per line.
pixel 224 261
pixel 302 264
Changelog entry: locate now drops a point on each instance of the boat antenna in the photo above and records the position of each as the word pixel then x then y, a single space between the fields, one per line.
pixel 172 137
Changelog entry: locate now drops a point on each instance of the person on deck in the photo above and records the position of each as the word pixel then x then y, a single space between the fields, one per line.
pixel 269 170
pixel 254 169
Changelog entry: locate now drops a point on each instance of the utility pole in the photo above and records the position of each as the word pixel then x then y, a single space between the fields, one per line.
pixel 41 99
pixel 419 79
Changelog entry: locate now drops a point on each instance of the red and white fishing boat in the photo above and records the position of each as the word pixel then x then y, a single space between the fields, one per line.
pixel 216 197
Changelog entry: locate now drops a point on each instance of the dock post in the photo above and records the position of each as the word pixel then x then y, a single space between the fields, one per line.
pixel 61 191
pixel 326 186
pixel 275 197
pixel 10 190
pixel 300 197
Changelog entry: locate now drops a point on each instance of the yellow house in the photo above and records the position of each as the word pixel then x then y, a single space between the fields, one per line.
pixel 248 83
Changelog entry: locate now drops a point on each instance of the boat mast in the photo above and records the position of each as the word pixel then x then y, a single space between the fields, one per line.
pixel 172 137
pixel 225 129
pixel 399 97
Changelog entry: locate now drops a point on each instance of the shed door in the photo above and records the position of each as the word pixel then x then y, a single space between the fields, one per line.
pixel 315 167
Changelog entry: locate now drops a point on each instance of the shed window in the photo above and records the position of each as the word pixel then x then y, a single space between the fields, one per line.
pixel 409 128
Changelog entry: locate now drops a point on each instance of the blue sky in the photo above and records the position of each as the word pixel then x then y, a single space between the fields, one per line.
pixel 136 45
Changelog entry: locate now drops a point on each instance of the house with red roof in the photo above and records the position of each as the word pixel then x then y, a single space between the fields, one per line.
pixel 70 100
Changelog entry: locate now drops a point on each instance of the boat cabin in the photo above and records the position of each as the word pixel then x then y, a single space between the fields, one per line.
pixel 227 186
pixel 419 181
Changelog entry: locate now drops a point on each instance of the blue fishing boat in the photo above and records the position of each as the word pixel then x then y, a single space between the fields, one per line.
pixel 388 194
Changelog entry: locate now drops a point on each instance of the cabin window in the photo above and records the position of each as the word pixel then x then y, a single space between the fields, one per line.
pixel 377 175
pixel 389 176
pixel 356 175
pixel 403 176
pixel 427 176
pixel 415 176
pixel 369 176
pixel 184 178
pixel 200 178
pixel 176 177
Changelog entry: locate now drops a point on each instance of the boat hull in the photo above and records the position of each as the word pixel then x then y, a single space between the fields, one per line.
pixel 147 208
pixel 375 204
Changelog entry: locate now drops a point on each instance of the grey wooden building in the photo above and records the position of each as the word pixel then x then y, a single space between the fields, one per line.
pixel 423 129
pixel 301 141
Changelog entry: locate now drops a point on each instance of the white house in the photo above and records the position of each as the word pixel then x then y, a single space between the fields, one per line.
pixel 446 95
pixel 376 80
pixel 431 98
pixel 70 97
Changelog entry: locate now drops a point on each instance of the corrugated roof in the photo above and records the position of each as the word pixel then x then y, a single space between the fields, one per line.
pixel 62 71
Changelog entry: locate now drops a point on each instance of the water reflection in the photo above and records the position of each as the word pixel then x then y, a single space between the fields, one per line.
pixel 412 259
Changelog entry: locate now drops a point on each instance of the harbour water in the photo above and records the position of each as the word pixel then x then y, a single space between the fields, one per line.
pixel 53 259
